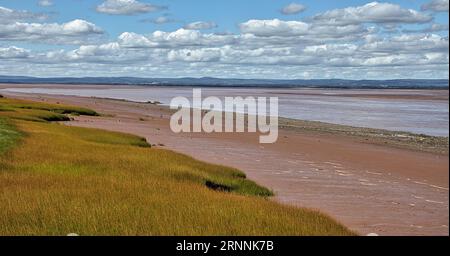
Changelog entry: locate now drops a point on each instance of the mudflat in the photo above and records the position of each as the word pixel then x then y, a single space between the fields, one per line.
pixel 370 184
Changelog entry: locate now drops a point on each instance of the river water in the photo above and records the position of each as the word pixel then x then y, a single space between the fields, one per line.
pixel 417 111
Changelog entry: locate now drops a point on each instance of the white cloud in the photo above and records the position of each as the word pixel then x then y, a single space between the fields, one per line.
pixel 133 40
pixel 405 60
pixel 179 38
pixel 436 5
pixel 159 20
pixel 97 50
pixel 435 27
pixel 194 55
pixel 293 8
pixel 408 43
pixel 200 25
pixel 347 32
pixel 73 32
pixel 13 52
pixel 8 15
pixel 331 49
pixel 298 31
pixel 103 54
pixel 45 3
pixel 381 13
pixel 274 27
pixel 155 63
pixel 343 42
pixel 126 7
pixel 313 46
pixel 162 20
pixel 173 48
pixel 185 37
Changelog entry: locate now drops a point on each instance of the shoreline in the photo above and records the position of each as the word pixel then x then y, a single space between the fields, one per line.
pixel 420 94
pixel 414 111
pixel 398 139
pixel 342 176
pixel 395 93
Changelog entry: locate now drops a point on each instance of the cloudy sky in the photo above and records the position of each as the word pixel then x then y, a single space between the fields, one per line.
pixel 230 39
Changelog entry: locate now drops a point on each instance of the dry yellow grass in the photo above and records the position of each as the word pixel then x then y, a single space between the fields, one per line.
pixel 59 180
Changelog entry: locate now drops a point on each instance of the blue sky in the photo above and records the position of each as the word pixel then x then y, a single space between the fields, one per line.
pixel 248 39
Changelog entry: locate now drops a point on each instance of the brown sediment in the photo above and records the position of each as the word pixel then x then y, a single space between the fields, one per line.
pixel 403 140
pixel 370 186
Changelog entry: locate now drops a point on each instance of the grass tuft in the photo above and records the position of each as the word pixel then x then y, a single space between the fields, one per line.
pixel 44 111
pixel 8 135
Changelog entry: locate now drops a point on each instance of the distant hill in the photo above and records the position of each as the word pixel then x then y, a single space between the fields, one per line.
pixel 221 82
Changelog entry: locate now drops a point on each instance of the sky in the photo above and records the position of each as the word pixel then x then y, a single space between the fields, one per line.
pixel 275 39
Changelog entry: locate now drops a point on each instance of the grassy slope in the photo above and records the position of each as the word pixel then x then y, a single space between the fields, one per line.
pixel 92 182
pixel 8 135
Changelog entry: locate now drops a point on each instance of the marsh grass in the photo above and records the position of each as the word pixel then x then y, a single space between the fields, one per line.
pixel 62 179
pixel 56 108
pixel 8 135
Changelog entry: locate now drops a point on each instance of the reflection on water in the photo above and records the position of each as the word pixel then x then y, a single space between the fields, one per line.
pixel 401 114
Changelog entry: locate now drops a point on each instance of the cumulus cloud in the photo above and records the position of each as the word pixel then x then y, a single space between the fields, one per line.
pixel 97 50
pixel 159 20
pixel 8 15
pixel 179 38
pixel 330 50
pixel 126 7
pixel 73 32
pixel 293 8
pixel 188 46
pixel 13 52
pixel 200 25
pixel 408 44
pixel 133 40
pixel 374 12
pixel 343 42
pixel 435 27
pixel 274 27
pixel 298 31
pixel 436 6
pixel 262 42
pixel 194 55
pixel 45 3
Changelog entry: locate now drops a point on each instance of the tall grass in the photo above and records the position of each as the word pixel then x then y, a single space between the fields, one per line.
pixel 62 179
pixel 8 135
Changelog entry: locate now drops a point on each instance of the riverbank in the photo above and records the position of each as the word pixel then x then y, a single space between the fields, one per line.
pixel 370 187
pixel 59 180
pixel 414 111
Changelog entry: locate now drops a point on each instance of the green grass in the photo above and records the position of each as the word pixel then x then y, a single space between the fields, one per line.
pixel 56 108
pixel 37 111
pixel 62 179
pixel 8 135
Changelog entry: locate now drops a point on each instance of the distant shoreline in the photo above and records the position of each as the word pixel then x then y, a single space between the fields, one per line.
pixel 236 83
pixel 336 101
pixel 397 139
